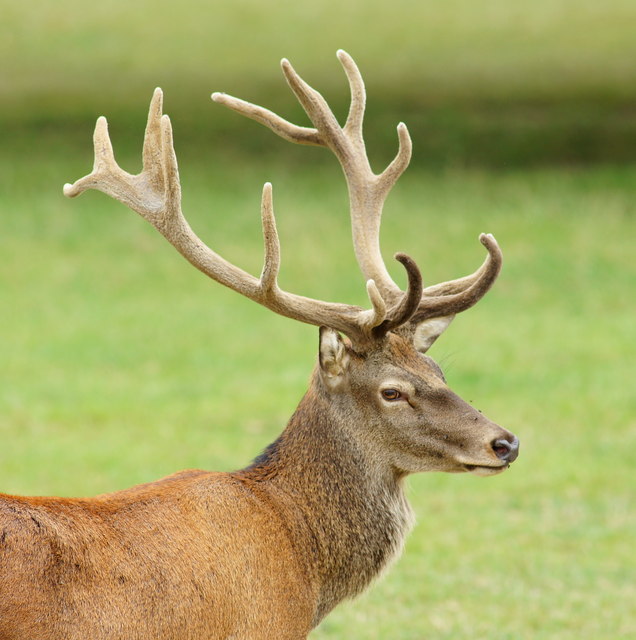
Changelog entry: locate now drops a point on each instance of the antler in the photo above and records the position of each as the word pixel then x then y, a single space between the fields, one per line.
pixel 368 191
pixel 155 194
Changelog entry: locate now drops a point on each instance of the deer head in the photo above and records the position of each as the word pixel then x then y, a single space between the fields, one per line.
pixel 371 370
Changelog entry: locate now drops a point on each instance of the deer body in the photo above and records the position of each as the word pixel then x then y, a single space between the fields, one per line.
pixel 269 550
pixel 151 562
pixel 304 527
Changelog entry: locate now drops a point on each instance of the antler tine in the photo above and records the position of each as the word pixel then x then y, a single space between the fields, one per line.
pixel 380 320
pixel 170 174
pixel 489 269
pixel 400 163
pixel 408 305
pixel 104 164
pixel 358 94
pixel 316 108
pixel 375 316
pixel 454 296
pixel 153 146
pixel 280 126
pixel 271 261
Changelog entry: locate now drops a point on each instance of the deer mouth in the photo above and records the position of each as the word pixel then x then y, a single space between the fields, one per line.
pixel 486 470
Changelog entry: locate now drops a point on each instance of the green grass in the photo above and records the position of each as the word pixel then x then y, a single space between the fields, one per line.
pixel 493 82
pixel 456 47
pixel 121 364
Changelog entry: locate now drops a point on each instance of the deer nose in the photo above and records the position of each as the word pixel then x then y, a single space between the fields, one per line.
pixel 506 450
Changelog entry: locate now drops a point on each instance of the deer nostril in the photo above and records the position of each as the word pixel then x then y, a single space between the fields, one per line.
pixel 505 450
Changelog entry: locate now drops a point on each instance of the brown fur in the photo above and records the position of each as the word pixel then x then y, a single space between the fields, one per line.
pixel 265 552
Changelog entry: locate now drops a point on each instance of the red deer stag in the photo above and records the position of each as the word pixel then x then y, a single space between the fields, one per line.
pixel 264 552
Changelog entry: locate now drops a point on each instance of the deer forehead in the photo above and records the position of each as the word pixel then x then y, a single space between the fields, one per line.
pixel 398 363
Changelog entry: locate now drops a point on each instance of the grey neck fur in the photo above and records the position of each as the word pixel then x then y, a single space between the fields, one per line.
pixel 349 519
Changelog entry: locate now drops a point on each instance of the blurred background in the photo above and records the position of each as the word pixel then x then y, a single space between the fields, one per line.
pixel 119 363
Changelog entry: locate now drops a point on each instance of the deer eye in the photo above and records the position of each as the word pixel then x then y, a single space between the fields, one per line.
pixel 391 394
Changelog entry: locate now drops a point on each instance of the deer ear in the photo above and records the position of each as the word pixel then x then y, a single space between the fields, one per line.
pixel 333 358
pixel 429 330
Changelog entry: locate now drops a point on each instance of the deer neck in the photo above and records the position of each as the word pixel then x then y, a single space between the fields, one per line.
pixel 348 515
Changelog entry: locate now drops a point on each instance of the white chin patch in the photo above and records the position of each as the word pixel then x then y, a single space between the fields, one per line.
pixel 486 471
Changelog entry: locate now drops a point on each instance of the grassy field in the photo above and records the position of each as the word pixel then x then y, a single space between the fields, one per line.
pixel 479 82
pixel 120 364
